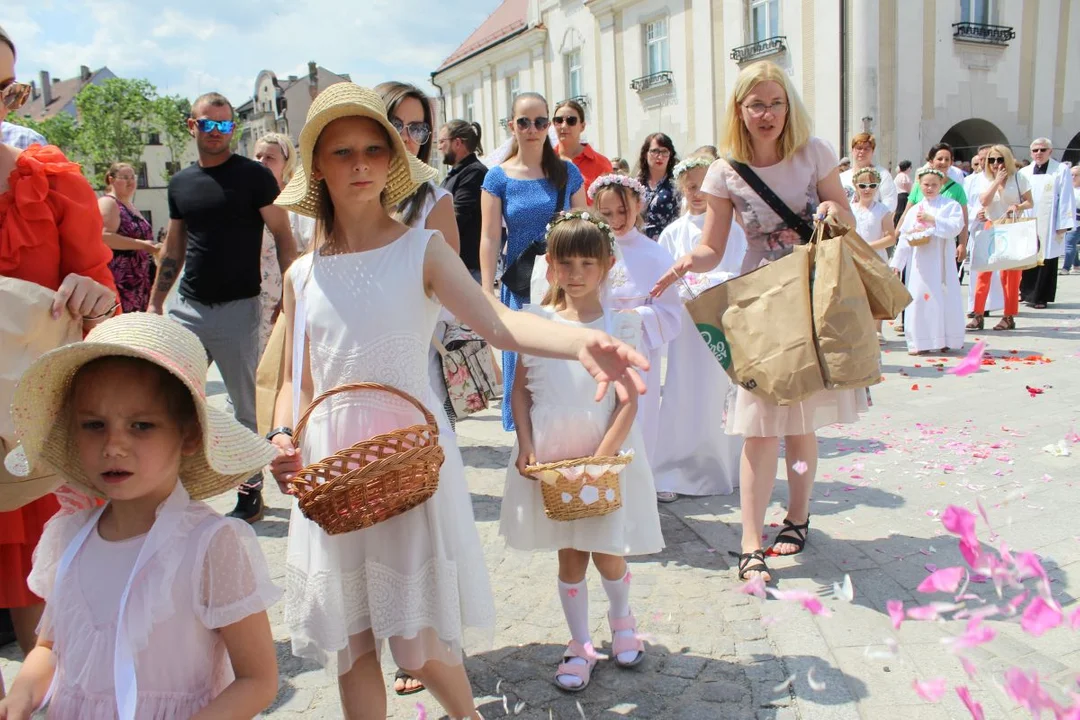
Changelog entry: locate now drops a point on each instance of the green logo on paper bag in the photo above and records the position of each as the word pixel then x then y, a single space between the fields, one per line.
pixel 718 344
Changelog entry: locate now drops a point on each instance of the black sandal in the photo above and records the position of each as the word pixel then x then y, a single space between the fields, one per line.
pixel 792 534
pixel 752 562
pixel 405 678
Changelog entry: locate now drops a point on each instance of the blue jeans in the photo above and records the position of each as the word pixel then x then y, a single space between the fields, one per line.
pixel 1071 240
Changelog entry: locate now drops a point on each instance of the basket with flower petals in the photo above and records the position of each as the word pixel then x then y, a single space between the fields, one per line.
pixel 580 487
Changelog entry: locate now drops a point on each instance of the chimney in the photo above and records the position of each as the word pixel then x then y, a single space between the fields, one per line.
pixel 46 88
pixel 292 78
pixel 313 79
pixel 84 73
pixel 33 90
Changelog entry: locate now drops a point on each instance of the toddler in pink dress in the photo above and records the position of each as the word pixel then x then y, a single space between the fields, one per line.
pixel 155 604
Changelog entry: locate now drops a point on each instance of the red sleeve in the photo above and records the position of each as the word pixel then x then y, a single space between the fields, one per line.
pixel 82 249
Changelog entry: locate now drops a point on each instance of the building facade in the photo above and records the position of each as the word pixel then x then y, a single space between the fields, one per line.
pixel 914 72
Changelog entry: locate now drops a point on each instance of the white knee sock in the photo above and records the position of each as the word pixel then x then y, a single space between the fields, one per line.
pixel 575 604
pixel 618 592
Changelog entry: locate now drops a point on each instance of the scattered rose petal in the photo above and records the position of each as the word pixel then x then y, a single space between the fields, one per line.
pixel 800 467
pixel 844 590
pixel 421 712
pixel 915 386
pixel 1040 616
pixel 896 612
pixel 754 586
pixel 931 690
pixel 969 667
pixel 971 363
pixel 1074 619
pixel 807 599
pixel 976 634
pixel 944 580
pixel 973 707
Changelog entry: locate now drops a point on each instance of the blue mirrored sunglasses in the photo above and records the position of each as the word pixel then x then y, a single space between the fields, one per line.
pixel 225 127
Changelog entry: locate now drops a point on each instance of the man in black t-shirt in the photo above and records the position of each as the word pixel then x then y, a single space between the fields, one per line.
pixel 217 210
pixel 459 142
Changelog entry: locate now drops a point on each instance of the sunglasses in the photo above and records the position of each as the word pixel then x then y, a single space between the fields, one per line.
pixel 225 127
pixel 14 95
pixel 418 131
pixel 1040 150
pixel 541 123
pixel 867 186
pixel 570 120
pixel 995 161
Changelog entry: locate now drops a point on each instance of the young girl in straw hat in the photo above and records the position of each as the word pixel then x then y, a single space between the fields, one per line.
pixel 362 307
pixel 557 419
pixel 155 604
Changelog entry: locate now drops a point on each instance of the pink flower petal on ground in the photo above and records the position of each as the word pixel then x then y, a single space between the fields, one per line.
pixel 421 712
pixel 973 707
pixel 800 467
pixel 896 612
pixel 1040 616
pixel 944 580
pixel 807 599
pixel 971 363
pixel 931 690
pixel 754 586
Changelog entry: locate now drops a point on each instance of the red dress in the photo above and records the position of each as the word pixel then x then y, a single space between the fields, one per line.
pixel 50 227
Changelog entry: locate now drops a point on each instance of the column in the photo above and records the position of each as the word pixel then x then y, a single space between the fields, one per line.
pixel 607 100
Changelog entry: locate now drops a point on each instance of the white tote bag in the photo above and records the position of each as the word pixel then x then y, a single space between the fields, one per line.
pixel 1006 245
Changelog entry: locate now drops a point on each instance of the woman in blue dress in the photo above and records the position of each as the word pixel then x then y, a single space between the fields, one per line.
pixel 523 192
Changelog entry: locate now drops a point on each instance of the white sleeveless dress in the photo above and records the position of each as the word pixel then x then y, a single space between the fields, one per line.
pixel 417 580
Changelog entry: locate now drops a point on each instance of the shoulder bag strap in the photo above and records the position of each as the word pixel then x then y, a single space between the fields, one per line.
pixel 778 206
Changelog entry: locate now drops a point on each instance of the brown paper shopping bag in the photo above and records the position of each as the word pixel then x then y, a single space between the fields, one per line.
pixel 885 291
pixel 759 327
pixel 269 376
pixel 843 323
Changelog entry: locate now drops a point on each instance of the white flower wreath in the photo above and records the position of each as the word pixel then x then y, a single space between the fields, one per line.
pixel 689 164
pixel 616 179
pixel 595 219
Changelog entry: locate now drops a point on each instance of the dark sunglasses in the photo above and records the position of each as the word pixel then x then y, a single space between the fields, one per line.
pixel 541 123
pixel 995 161
pixel 14 95
pixel 225 127
pixel 418 131
pixel 867 186
pixel 570 120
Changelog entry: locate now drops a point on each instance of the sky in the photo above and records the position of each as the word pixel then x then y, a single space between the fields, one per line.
pixel 188 48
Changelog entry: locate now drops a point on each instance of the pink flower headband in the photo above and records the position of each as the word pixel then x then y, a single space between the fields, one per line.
pixel 616 179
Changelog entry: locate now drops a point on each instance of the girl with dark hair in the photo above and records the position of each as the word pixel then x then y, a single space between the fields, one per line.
pixel 523 191
pixel 656 167
pixel 569 122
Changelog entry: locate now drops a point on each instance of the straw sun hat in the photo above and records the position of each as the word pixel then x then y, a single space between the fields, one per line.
pixel 229 455
pixel 347 99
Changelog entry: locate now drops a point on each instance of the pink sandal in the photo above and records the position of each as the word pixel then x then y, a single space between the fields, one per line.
pixel 581 672
pixel 621 643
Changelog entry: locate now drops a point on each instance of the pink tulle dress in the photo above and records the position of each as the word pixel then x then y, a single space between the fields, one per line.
pixel 203 573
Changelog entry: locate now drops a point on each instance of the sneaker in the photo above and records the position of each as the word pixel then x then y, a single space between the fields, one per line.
pixel 249 507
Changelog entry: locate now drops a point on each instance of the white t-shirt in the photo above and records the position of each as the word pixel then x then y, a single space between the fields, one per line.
pixel 1011 194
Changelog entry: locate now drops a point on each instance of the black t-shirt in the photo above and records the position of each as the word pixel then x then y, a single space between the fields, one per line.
pixel 220 209
pixel 465 182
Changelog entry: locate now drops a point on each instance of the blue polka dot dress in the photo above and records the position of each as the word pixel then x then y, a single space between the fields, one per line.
pixel 528 206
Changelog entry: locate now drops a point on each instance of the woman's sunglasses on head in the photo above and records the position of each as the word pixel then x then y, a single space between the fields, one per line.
pixel 14 95
pixel 205 125
pixel 418 131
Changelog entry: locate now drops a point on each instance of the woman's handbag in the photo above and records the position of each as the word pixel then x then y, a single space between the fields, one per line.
pixel 517 276
pixel 1006 244
pixel 468 368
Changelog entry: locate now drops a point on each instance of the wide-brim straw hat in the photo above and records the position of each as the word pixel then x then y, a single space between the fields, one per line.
pixel 230 453
pixel 348 99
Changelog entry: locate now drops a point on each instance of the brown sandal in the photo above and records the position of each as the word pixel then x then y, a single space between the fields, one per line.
pixel 976 323
pixel 1007 323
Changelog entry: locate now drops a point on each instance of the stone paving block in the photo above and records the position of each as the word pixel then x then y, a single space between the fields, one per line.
pixel 723 692
pixel 784 713
pixel 683 666
pixel 292 699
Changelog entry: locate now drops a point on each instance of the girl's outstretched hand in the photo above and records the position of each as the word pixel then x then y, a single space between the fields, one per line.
pixel 682 266
pixel 286 464
pixel 612 361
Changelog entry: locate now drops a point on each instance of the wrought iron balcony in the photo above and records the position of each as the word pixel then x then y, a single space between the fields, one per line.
pixel 982 33
pixel 582 100
pixel 659 79
pixel 760 49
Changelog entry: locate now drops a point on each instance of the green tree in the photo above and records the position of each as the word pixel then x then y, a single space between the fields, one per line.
pixel 113 117
pixel 170 118
pixel 60 130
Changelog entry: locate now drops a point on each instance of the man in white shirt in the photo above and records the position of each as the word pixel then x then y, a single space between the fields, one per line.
pixel 862 150
pixel 1055 213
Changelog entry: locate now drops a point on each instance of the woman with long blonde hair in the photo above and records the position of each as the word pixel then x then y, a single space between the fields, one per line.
pixel 766 133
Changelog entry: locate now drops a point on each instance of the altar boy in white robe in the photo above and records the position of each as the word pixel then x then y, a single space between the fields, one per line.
pixel 1055 213
pixel 934 322
pixel 694 456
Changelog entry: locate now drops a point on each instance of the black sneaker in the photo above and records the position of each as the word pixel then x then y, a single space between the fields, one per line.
pixel 249 506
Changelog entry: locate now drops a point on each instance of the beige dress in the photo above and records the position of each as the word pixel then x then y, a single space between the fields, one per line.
pixel 794 180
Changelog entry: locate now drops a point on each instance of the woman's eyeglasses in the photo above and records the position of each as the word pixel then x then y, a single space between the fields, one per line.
pixel 570 120
pixel 759 109
pixel 418 131
pixel 541 123
pixel 659 152
pixel 14 95
pixel 867 186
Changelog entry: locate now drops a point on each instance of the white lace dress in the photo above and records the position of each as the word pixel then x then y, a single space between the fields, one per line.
pixel 417 580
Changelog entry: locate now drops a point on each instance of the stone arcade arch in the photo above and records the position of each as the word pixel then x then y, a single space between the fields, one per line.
pixel 1072 152
pixel 967 135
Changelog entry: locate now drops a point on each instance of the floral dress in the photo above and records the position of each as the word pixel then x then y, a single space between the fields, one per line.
pixel 662 205
pixel 132 269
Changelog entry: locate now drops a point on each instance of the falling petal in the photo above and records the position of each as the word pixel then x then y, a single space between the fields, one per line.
pixel 754 586
pixel 519 706
pixel 896 612
pixel 931 690
pixel 506 706
pixel 421 712
pixel 973 707
pixel 498 685
pixel 1074 619
pixel 784 685
pixel 969 667
pixel 944 580
pixel 581 710
pixel 800 467
pixel 812 681
pixel 976 634
pixel 1040 616
pixel 845 590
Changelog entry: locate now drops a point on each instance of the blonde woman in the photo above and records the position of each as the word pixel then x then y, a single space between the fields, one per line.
pixel 130 236
pixel 998 191
pixel 767 132
pixel 276 153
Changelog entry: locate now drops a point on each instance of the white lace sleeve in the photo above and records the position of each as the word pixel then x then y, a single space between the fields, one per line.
pixel 55 538
pixel 232 579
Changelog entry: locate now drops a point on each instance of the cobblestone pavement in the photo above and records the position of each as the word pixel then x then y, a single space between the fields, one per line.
pixel 931 440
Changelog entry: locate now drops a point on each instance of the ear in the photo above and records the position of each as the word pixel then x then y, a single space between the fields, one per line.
pixel 192 439
pixel 191 126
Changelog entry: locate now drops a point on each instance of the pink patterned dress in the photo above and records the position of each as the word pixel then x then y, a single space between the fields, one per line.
pixel 133 270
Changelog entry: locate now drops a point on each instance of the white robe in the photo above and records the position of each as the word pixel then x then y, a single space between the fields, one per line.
pixel 1055 207
pixel 693 454
pixel 935 318
pixel 886 194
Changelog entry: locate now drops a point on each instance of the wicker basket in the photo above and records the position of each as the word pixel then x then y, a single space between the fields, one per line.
pixel 572 498
pixel 374 480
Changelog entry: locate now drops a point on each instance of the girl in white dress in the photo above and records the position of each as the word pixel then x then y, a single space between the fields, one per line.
pixel 873 219
pixel 362 307
pixel 694 456
pixel 557 418
pixel 640 264
pixel 155 604
pixel 934 322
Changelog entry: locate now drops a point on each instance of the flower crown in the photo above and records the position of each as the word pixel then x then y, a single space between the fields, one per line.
pixel 582 215
pixel 929 171
pixel 690 163
pixel 616 179
pixel 871 171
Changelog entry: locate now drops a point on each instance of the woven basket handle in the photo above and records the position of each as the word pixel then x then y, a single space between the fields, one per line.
pixel 361 386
